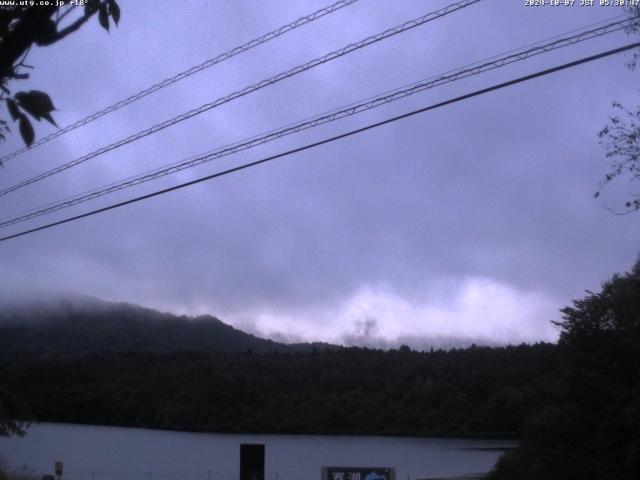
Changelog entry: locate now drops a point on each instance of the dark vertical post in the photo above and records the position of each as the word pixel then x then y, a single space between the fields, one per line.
pixel 58 468
pixel 251 461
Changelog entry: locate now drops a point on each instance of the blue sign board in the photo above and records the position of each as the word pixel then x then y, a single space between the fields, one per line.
pixel 358 473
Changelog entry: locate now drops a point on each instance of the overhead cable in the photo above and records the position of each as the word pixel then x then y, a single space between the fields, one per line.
pixel 332 116
pixel 250 89
pixel 187 73
pixel 327 140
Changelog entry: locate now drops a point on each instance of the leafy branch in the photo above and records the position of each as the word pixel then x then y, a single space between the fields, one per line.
pixel 20 28
pixel 621 136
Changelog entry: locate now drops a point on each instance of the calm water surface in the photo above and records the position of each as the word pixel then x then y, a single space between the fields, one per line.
pixel 113 453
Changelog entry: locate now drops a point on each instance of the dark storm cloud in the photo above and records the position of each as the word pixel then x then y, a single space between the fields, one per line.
pixel 473 221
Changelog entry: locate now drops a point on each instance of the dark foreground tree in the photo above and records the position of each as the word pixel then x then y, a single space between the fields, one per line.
pixel 14 415
pixel 593 431
pixel 23 26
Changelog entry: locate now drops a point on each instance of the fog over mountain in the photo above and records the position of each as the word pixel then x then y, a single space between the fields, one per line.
pixel 476 220
pixel 64 325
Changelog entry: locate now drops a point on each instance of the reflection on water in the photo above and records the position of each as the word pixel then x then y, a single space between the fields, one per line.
pixel 112 453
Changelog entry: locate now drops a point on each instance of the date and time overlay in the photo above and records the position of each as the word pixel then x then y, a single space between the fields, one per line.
pixel 581 3
pixel 527 3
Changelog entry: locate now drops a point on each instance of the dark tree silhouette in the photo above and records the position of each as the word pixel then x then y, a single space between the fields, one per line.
pixel 14 414
pixel 592 429
pixel 21 27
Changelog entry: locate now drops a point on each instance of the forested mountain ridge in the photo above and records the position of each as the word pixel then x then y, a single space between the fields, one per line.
pixel 472 392
pixel 91 361
pixel 66 327
pixel 575 405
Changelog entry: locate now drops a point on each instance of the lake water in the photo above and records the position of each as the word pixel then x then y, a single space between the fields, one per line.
pixel 112 453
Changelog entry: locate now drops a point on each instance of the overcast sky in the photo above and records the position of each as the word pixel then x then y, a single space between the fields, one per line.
pixel 473 221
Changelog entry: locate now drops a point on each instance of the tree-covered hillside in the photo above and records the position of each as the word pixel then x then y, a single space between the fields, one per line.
pixel 575 405
pixel 469 392
pixel 90 326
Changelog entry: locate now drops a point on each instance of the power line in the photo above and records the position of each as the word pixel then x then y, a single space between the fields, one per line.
pixel 330 139
pixel 187 73
pixel 250 89
pixel 332 116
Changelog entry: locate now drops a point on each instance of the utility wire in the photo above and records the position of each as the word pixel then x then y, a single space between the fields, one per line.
pixel 187 73
pixel 250 89
pixel 332 116
pixel 155 171
pixel 317 120
pixel 476 93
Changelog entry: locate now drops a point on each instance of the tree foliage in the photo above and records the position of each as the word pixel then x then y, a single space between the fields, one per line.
pixel 621 136
pixel 472 392
pixel 22 27
pixel 592 430
pixel 87 361
pixel 81 327
pixel 14 415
